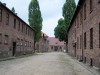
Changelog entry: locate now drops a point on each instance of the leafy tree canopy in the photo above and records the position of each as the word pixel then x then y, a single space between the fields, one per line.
pixel 35 19
pixel 63 24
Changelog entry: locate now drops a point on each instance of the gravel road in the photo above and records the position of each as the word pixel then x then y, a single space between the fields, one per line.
pixel 54 63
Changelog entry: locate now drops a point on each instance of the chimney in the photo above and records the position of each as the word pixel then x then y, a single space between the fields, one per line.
pixel 16 13
pixel 4 4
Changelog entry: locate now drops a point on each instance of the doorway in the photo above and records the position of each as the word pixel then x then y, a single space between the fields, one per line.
pixel 91 62
pixel 75 49
pixel 14 48
pixel 56 48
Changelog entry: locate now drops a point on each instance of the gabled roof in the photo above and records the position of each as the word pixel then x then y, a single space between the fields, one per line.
pixel 54 41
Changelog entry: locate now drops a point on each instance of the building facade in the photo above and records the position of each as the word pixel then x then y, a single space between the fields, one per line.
pixel 84 32
pixel 42 44
pixel 55 44
pixel 16 36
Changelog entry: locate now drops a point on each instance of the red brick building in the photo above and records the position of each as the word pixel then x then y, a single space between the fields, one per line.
pixel 16 36
pixel 84 32
pixel 42 44
pixel 55 44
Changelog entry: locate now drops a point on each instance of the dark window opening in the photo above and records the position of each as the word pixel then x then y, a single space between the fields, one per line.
pixel 6 39
pixel 7 19
pixel 91 6
pixel 0 38
pixel 81 17
pixel 85 40
pixel 77 22
pixel 22 28
pixel 0 14
pixel 98 1
pixel 84 11
pixel 19 26
pixel 77 43
pixel 80 41
pixel 14 23
pixel 91 38
pixel 99 35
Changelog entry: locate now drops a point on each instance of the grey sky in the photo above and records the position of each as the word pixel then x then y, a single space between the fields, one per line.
pixel 51 11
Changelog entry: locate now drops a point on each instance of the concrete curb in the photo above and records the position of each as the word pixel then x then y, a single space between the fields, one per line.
pixel 89 68
pixel 5 59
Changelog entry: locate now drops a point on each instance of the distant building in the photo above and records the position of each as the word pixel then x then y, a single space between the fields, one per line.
pixel 16 36
pixel 55 44
pixel 42 44
pixel 84 33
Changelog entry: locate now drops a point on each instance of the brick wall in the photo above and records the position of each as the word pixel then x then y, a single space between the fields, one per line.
pixel 18 42
pixel 88 54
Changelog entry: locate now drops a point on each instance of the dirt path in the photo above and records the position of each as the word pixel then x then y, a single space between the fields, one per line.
pixel 43 64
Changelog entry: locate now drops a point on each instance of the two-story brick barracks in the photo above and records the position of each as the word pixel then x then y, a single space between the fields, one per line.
pixel 42 44
pixel 16 36
pixel 84 33
pixel 55 44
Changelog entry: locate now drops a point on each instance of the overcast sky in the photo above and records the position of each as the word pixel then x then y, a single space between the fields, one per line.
pixel 51 11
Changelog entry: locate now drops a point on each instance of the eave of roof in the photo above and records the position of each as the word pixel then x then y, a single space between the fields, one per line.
pixel 15 15
pixel 76 12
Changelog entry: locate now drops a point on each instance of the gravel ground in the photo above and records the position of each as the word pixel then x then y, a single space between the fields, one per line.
pixel 54 63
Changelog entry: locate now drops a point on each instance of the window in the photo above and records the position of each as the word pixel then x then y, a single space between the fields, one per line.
pixel 30 44
pixel 77 22
pixel 60 47
pixel 19 26
pixel 18 41
pixel 84 11
pixel 14 23
pixel 75 33
pixel 22 28
pixel 85 40
pixel 77 43
pixel 51 47
pixel 91 38
pixel 7 19
pixel 26 30
pixel 99 35
pixel 81 17
pixel 80 41
pixel 6 39
pixel 21 42
pixel 0 14
pixel 91 6
pixel 98 1
pixel 0 38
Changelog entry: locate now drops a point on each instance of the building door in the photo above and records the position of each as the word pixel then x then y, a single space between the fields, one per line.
pixel 14 48
pixel 56 48
pixel 75 49
pixel 91 62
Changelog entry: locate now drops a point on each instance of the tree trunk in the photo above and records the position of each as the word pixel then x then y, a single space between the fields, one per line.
pixel 66 47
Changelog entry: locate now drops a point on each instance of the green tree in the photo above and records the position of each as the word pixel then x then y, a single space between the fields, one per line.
pixel 63 24
pixel 68 11
pixel 35 19
pixel 60 30
pixel 13 9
